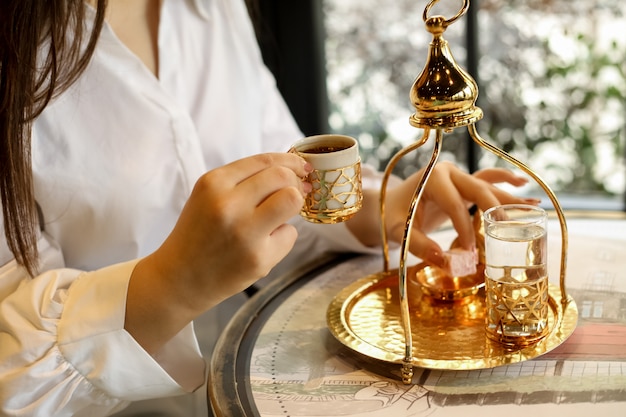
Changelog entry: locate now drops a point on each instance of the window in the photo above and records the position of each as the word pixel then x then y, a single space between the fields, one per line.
pixel 551 76
pixel 592 309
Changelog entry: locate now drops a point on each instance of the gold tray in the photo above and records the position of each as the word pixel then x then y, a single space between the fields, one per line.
pixel 365 317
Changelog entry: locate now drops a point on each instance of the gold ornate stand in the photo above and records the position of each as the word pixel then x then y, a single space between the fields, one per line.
pixel 444 97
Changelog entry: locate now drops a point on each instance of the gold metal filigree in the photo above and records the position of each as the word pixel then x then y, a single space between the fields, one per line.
pixel 336 195
pixel 444 97
pixel 365 316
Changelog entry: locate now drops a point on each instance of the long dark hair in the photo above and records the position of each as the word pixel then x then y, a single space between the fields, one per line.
pixel 44 47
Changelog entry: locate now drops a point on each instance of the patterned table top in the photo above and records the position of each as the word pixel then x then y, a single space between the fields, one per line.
pixel 288 364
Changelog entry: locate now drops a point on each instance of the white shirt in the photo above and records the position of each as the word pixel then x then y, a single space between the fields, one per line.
pixel 114 160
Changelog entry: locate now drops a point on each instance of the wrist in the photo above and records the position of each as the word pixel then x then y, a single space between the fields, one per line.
pixel 365 225
pixel 155 310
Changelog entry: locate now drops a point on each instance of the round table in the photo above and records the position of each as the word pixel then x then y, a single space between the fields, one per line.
pixel 278 358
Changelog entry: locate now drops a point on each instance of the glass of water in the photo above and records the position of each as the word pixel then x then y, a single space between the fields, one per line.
pixel 516 274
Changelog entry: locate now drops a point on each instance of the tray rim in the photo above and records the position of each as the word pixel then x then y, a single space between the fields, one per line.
pixel 565 322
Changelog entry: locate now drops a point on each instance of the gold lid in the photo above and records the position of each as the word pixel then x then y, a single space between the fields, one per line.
pixel 444 95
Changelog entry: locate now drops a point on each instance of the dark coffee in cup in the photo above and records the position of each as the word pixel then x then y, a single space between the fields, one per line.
pixel 325 148
pixel 336 177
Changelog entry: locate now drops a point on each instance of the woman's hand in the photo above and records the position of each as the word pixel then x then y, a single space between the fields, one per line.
pixel 230 233
pixel 448 194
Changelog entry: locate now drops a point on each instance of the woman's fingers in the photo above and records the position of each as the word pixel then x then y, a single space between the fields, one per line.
pixel 233 224
pixel 273 194
pixel 479 188
pixel 260 186
pixel 500 175
pixel 426 249
pixel 474 190
pixel 259 193
pixel 277 208
pixel 448 194
pixel 420 244
pixel 443 189
pixel 240 170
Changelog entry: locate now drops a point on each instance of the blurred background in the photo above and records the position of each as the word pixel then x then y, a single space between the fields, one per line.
pixel 551 77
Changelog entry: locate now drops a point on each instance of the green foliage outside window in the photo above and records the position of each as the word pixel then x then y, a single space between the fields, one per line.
pixel 552 81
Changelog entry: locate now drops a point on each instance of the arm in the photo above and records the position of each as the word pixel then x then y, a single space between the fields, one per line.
pixel 49 365
pixel 91 342
pixel 231 232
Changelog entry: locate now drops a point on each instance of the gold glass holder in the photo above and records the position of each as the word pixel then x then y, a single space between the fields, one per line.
pixel 336 195
pixel 444 97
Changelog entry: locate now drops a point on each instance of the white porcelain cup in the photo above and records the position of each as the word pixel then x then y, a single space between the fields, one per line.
pixel 336 177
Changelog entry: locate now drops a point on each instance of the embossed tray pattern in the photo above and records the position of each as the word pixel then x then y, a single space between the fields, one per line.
pixel 365 317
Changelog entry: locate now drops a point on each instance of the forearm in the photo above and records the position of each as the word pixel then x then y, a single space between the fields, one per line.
pixel 365 225
pixel 156 310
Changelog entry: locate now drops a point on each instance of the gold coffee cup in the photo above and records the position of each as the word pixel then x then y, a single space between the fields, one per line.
pixel 336 177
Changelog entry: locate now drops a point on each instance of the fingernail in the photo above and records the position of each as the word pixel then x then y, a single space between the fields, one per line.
pixel 308 167
pixel 307 187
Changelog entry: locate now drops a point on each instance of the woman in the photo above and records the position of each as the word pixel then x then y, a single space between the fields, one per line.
pixel 153 141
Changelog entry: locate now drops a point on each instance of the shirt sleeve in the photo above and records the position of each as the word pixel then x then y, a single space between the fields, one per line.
pixel 64 350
